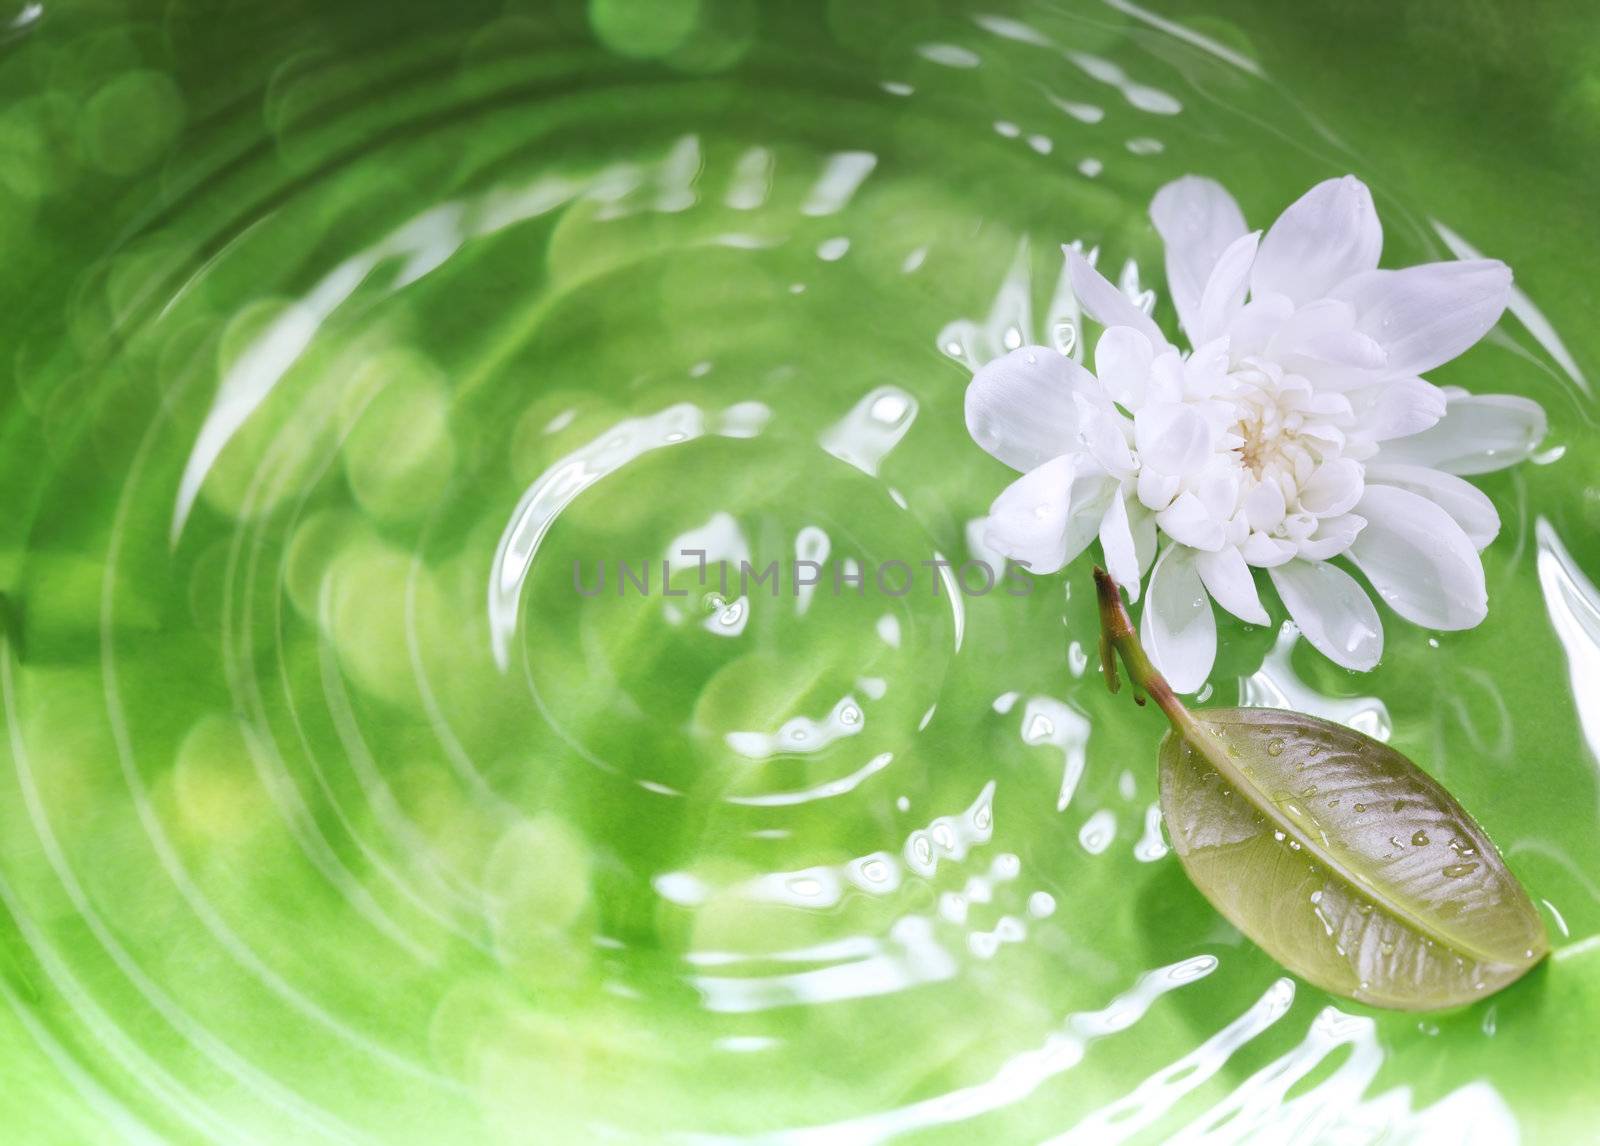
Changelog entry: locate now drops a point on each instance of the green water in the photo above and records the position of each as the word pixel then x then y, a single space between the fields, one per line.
pixel 333 335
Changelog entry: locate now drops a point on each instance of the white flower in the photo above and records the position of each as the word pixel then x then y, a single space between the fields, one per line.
pixel 1296 430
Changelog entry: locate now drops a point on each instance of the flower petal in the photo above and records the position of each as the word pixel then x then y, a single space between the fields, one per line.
pixel 1107 305
pixel 1319 341
pixel 1329 234
pixel 1145 537
pixel 1179 629
pixel 1332 611
pixel 1469 505
pixel 1196 219
pixel 1397 408
pixel 1479 433
pixel 1122 360
pixel 1266 552
pixel 1020 407
pixel 1116 541
pixel 1167 374
pixel 1218 491
pixel 1311 321
pixel 1348 348
pixel 1334 487
pixel 1256 323
pixel 1419 560
pixel 1047 516
pixel 1330 537
pixel 1172 437
pixel 1103 430
pixel 1426 315
pixel 1228 579
pixel 1156 491
pixel 1264 505
pixel 1224 294
pixel 1188 522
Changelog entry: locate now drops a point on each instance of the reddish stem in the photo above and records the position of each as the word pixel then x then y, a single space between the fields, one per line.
pixel 1118 637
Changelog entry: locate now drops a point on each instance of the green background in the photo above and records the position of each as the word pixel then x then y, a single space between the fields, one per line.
pixel 286 856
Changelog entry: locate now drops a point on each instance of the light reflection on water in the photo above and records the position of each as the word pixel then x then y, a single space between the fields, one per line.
pixel 312 735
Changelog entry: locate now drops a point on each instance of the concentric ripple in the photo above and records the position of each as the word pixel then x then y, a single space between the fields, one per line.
pixel 493 639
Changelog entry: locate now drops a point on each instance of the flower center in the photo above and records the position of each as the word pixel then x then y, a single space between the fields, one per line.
pixel 1268 428
pixel 1272 449
pixel 1260 449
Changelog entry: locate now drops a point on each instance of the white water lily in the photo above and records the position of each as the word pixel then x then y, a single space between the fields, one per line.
pixel 1296 430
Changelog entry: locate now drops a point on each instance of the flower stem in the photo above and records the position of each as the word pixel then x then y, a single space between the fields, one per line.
pixel 1119 638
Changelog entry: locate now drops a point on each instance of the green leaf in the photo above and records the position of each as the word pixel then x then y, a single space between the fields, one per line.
pixel 1332 851
pixel 1344 861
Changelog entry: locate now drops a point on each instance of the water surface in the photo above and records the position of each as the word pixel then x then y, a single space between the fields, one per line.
pixel 331 809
